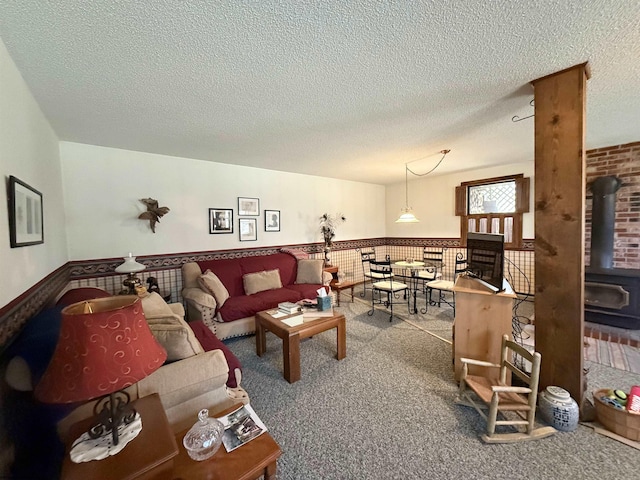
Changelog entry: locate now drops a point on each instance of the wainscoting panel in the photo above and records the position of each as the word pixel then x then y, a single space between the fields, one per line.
pixel 519 269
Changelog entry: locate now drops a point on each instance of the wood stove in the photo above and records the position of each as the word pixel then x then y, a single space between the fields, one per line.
pixel 611 295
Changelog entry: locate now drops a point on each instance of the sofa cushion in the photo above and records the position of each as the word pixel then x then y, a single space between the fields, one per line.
pixel 209 342
pixel 260 281
pixel 248 305
pixel 209 282
pixel 310 271
pixel 176 338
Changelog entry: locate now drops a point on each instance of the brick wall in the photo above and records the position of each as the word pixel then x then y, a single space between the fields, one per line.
pixel 622 161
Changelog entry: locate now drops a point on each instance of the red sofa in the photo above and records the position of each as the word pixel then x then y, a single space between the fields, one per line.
pixel 236 316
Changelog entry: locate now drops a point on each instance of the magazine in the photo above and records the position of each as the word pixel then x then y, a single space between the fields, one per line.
pixel 241 426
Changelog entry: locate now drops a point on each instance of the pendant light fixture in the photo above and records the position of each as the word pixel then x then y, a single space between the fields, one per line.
pixel 406 213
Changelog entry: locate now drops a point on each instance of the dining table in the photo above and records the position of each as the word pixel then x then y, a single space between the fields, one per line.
pixel 408 270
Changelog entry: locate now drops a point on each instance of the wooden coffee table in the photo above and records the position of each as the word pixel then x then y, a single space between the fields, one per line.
pixel 251 461
pixel 291 337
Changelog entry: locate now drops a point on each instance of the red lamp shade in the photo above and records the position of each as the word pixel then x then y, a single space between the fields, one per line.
pixel 105 345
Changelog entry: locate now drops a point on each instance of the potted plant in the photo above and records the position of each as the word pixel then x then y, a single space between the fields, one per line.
pixel 328 224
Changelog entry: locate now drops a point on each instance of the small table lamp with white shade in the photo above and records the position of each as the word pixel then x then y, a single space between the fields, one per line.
pixel 130 267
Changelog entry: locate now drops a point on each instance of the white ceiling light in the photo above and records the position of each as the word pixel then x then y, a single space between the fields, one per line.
pixel 406 213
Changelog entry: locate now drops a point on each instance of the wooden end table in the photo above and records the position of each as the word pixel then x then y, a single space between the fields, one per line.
pixel 149 455
pixel 251 461
pixel 291 337
pixel 339 286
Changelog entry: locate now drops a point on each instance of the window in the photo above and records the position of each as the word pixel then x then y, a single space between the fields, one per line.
pixel 493 205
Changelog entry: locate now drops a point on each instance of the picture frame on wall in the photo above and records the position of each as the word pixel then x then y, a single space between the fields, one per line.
pixel 249 207
pixel 220 220
pixel 248 229
pixel 272 220
pixel 26 222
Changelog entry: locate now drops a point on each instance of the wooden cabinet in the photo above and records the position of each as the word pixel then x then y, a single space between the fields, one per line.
pixel 482 318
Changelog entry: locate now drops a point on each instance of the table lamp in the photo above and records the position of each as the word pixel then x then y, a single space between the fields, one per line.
pixel 105 345
pixel 130 267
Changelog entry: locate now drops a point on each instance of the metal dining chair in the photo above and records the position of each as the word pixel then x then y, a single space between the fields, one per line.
pixel 385 290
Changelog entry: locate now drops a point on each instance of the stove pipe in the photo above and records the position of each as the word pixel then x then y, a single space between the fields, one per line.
pixel 603 219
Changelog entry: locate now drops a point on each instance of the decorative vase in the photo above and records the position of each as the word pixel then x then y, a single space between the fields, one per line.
pixel 558 409
pixel 327 251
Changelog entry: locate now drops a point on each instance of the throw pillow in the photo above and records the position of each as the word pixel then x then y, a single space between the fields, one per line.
pixel 210 283
pixel 310 271
pixel 261 281
pixel 299 254
pixel 176 338
pixel 153 305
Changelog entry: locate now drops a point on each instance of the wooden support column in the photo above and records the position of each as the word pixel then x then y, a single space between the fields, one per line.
pixel 559 227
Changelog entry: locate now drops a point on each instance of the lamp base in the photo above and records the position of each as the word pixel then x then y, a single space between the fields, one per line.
pixel 85 448
pixel 112 411
pixel 131 285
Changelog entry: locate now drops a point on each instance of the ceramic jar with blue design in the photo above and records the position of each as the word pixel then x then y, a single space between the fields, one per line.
pixel 558 409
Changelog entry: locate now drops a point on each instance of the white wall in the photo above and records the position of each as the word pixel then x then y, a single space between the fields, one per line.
pixel 102 188
pixel 433 201
pixel 28 151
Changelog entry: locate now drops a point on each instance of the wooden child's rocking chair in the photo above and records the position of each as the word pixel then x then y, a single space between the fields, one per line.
pixel 500 396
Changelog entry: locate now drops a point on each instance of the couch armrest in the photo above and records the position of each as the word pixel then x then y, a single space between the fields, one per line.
pixel 199 296
pixel 177 309
pixel 190 273
pixel 326 278
pixel 179 381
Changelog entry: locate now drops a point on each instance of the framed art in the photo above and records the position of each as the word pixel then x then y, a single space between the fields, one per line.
pixel 248 206
pixel 220 220
pixel 272 220
pixel 26 224
pixel 248 229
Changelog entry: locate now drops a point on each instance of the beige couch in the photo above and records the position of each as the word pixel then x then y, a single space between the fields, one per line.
pixel 185 386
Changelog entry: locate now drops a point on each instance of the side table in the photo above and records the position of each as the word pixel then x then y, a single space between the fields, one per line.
pixel 251 461
pixel 337 285
pixel 333 270
pixel 149 455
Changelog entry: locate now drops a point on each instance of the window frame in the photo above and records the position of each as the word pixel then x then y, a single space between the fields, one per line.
pixel 522 206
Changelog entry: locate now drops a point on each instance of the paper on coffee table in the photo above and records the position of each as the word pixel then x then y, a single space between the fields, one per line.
pixel 293 321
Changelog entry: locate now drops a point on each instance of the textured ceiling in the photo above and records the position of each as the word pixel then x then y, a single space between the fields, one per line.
pixel 345 89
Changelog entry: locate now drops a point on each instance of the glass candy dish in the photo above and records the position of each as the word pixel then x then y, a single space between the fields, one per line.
pixel 204 438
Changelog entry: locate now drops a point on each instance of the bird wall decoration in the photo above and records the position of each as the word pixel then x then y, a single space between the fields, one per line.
pixel 153 213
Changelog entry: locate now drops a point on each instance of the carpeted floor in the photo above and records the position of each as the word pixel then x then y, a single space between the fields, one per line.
pixel 387 410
